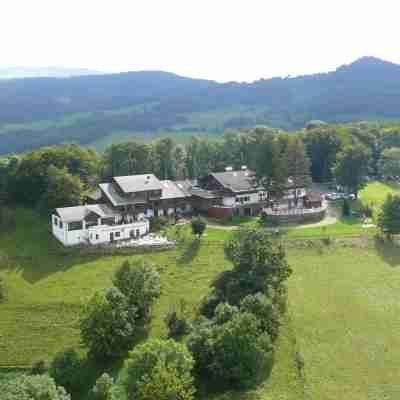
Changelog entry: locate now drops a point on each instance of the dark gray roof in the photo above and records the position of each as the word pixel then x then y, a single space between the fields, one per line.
pixel 190 188
pixel 115 198
pixel 204 194
pixel 171 190
pixel 236 181
pixel 138 183
pixel 78 213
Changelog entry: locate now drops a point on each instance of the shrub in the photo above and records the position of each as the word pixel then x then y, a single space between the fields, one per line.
pixel 102 390
pixel 160 370
pixel 177 321
pixel 39 368
pixel 157 223
pixel 33 387
pixel 198 226
pixel 66 370
pixel 208 305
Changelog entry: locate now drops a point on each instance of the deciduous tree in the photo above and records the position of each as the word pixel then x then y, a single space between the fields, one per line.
pixel 389 219
pixel 352 166
pixel 160 370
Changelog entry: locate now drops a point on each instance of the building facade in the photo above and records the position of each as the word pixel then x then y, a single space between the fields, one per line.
pixel 120 209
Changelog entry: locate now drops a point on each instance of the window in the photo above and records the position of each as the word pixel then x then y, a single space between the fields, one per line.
pixel 117 234
pixel 75 226
pixel 55 221
pixel 97 237
pixel 60 224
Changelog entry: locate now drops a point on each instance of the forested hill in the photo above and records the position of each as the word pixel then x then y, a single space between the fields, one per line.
pixel 40 111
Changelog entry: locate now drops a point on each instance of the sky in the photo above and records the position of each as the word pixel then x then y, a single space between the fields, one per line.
pixel 218 39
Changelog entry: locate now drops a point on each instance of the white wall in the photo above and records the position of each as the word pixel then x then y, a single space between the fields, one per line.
pixel 59 233
pixel 103 232
pixel 228 201
pixel 67 238
pixel 253 198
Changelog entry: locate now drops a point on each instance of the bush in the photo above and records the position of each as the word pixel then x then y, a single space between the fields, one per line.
pixel 198 226
pixel 66 370
pixel 177 321
pixel 160 370
pixel 39 368
pixel 102 390
pixel 157 223
pixel 33 387
pixel 208 305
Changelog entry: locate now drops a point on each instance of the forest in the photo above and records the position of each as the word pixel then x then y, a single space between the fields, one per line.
pixel 349 154
pixel 38 112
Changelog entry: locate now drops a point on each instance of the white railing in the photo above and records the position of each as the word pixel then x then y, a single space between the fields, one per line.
pixel 293 211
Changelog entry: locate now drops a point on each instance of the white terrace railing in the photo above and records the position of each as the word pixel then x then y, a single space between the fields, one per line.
pixel 294 211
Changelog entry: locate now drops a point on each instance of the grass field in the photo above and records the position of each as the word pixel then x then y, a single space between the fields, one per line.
pixel 344 305
pixel 375 193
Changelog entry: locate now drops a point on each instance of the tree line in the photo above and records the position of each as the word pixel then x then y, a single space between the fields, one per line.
pixel 348 154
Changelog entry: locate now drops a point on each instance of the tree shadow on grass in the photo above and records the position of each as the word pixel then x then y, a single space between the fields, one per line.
pixel 35 268
pixel 189 252
pixel 389 251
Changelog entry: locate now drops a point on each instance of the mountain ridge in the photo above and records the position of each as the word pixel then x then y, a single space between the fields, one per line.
pixel 87 108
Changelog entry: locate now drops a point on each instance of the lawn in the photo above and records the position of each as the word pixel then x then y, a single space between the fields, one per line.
pixel 374 194
pixel 344 303
pixel 345 307
pixel 46 287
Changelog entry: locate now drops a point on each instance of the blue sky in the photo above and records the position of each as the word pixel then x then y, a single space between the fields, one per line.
pixel 219 39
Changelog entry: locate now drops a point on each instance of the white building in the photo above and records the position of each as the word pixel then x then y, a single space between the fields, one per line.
pixel 94 224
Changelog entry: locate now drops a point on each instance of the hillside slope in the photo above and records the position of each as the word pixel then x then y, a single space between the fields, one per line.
pixel 36 112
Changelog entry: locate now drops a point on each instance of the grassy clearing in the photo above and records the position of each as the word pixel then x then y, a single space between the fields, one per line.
pixel 345 306
pixel 46 289
pixel 375 194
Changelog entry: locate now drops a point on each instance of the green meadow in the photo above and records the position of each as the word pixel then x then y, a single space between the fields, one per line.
pixel 343 315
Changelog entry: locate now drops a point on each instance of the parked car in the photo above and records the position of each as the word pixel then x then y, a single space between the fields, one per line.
pixel 334 196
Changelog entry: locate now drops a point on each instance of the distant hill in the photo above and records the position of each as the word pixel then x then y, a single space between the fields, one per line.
pixel 40 72
pixel 89 109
